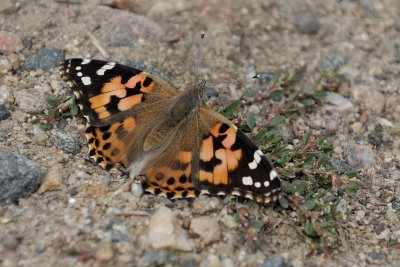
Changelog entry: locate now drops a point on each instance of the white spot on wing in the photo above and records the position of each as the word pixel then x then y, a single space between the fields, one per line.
pixel 103 69
pixel 86 80
pixel 85 61
pixel 79 74
pixel 266 183
pixel 256 159
pixel 247 180
pixel 257 184
pixel 273 175
pixel 78 68
pixel 252 165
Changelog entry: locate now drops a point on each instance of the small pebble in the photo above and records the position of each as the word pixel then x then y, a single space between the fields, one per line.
pixel 357 128
pixel 5 66
pixel 4 113
pixel 45 58
pixel 10 242
pixel 207 228
pixel 31 100
pixel 164 231
pixel 308 23
pixel 104 251
pixel 334 60
pixel 360 214
pixel 206 204
pixel 66 141
pixel 359 156
pixel 275 261
pixel 97 189
pixel 370 98
pixel 19 176
pixel 6 96
pixel 10 42
pixel 341 103
pixel 52 180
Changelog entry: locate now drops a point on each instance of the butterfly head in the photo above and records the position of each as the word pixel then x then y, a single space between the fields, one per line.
pixel 198 89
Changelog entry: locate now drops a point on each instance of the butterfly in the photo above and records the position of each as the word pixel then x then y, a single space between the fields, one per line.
pixel 169 137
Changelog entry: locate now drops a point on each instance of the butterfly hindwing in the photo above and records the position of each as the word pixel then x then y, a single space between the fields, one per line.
pixel 230 163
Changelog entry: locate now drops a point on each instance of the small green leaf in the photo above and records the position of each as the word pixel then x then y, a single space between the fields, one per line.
pixel 284 202
pixel 307 101
pixel 276 93
pixel 44 126
pixel 351 174
pixel 257 224
pixel 306 138
pixel 74 109
pixel 323 144
pixel 291 111
pixel 293 96
pixel 350 191
pixel 52 101
pixel 309 229
pixel 230 109
pixel 276 120
pixel 319 95
pixel 286 187
pixel 249 93
pixel 251 120
pixel 310 204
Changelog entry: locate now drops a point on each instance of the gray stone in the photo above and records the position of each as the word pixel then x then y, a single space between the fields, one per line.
pixel 4 113
pixel 6 96
pixel 31 100
pixel 275 261
pixel 370 98
pixel 333 60
pixel 341 103
pixel 45 58
pixel 340 165
pixel 19 177
pixel 67 142
pixel 359 156
pixel 308 23
pixel 206 204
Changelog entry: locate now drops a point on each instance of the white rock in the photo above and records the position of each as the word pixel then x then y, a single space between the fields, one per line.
pixel 165 232
pixel 207 228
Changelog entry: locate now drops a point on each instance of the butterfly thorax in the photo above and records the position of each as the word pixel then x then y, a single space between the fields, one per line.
pixel 180 110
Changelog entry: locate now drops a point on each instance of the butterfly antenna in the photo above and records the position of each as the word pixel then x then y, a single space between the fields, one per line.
pixel 197 60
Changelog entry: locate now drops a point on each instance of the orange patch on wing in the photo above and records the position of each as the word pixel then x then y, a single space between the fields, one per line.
pixel 129 124
pixel 230 138
pixel 104 99
pixel 127 103
pixel 140 78
pixel 206 151
pixel 114 84
pixel 233 158
pixel 206 176
pixel 221 170
pixel 185 156
pixel 230 135
pixel 102 112
pixel 147 89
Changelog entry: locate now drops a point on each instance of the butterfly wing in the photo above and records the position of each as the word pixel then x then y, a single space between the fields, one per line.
pixel 211 156
pixel 117 101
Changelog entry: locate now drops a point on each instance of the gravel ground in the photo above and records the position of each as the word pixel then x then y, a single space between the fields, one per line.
pixel 82 215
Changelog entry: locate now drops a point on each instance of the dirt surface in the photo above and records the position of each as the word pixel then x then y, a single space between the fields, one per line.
pixel 83 215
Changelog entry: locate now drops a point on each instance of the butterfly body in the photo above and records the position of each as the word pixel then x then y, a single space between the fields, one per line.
pixel 178 144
